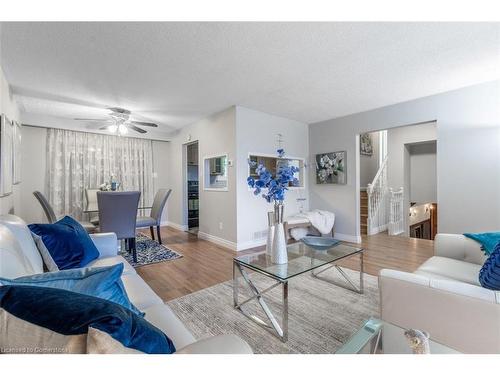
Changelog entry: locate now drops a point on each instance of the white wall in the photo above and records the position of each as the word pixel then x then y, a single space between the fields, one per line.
pixel 161 152
pixel 468 157
pixel 8 106
pixel 368 165
pixel 397 139
pixel 215 136
pixel 423 185
pixel 33 173
pixel 256 133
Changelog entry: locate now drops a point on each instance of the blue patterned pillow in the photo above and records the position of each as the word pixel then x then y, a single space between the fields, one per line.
pixel 489 276
pixel 102 282
pixel 68 314
pixel 68 243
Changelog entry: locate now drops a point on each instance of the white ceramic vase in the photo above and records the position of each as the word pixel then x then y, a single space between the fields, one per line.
pixel 279 254
pixel 270 233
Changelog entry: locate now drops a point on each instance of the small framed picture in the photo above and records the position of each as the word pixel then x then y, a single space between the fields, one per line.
pixel 365 144
pixel 6 142
pixel 16 153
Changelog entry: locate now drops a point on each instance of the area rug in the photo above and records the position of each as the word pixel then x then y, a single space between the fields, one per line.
pixel 149 251
pixel 321 318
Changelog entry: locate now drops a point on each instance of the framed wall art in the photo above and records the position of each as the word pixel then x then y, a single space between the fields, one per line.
pixel 331 168
pixel 6 143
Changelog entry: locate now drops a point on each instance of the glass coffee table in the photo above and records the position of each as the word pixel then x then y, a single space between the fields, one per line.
pixel 301 259
pixel 379 337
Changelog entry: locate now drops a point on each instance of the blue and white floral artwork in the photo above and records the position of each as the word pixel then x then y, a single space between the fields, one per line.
pixel 330 168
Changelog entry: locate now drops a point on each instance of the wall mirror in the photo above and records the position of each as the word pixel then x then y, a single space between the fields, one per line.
pixel 272 163
pixel 215 173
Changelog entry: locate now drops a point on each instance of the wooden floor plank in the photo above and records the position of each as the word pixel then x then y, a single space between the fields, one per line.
pixel 205 264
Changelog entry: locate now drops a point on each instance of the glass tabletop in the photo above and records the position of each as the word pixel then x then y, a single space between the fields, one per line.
pixel 301 259
pixel 379 337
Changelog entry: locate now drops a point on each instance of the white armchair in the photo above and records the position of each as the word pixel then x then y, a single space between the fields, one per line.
pixel 444 297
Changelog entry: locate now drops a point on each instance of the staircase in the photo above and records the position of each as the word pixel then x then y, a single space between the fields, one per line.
pixel 363 198
pixel 377 202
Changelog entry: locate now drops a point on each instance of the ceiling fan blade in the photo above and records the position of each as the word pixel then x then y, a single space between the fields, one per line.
pixel 104 127
pixel 119 110
pixel 91 119
pixel 142 123
pixel 133 127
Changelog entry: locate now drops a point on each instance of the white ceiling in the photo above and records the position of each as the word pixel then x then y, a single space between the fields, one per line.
pixel 176 73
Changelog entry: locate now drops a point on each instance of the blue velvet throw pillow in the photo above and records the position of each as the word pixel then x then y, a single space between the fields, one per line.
pixel 68 243
pixel 488 240
pixel 101 282
pixel 489 275
pixel 70 313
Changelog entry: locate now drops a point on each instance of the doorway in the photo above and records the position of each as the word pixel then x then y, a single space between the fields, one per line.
pixel 420 176
pixel 192 183
pixel 396 181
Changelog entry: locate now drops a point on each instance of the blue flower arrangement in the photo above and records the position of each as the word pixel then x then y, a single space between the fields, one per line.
pixel 276 186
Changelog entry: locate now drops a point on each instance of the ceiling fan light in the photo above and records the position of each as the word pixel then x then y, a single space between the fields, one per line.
pixel 122 129
pixel 113 128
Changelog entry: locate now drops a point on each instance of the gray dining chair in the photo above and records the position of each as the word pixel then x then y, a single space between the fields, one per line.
pixel 51 216
pixel 154 220
pixel 118 214
pixel 91 197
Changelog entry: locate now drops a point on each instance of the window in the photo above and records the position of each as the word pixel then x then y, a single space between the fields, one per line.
pixel 215 176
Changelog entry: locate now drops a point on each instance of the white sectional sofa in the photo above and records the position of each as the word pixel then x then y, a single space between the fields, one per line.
pixel 445 298
pixel 20 257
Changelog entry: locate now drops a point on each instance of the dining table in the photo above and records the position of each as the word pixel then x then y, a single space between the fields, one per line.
pixel 93 208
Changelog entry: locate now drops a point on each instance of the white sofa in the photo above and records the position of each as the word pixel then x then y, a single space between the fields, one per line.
pixel 445 298
pixel 20 257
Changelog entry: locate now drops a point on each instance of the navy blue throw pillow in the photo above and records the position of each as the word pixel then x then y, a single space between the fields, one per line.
pixel 489 276
pixel 68 243
pixel 71 313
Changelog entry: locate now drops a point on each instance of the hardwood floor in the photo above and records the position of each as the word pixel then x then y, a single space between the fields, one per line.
pixel 205 264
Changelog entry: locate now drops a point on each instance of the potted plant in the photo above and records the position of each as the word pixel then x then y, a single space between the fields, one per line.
pixel 273 190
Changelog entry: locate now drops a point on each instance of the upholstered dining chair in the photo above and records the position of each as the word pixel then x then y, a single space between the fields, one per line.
pixel 51 216
pixel 154 220
pixel 118 214
pixel 91 197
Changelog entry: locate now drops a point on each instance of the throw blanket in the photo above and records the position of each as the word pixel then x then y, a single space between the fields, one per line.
pixel 487 240
pixel 323 221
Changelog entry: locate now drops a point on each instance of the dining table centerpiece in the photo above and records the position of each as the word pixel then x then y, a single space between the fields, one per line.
pixel 272 188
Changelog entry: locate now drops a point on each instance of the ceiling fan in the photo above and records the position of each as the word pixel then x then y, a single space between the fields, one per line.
pixel 119 121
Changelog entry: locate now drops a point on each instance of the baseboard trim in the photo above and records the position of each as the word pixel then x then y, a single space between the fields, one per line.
pixel 378 229
pixel 175 225
pixel 347 238
pixel 217 240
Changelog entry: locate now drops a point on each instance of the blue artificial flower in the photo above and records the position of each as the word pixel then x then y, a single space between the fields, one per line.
pixel 260 183
pixel 276 185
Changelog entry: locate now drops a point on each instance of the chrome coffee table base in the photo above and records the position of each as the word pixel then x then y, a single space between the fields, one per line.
pixel 274 327
pixel 281 331
pixel 349 282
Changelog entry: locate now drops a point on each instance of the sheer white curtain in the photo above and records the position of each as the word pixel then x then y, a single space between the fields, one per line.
pixel 77 160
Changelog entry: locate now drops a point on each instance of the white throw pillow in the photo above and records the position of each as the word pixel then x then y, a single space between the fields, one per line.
pixel 47 258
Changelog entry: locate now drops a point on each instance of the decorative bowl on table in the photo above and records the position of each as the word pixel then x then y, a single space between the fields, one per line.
pixel 320 243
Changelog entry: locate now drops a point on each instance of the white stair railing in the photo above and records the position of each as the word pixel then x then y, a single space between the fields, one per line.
pixel 396 212
pixel 377 204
